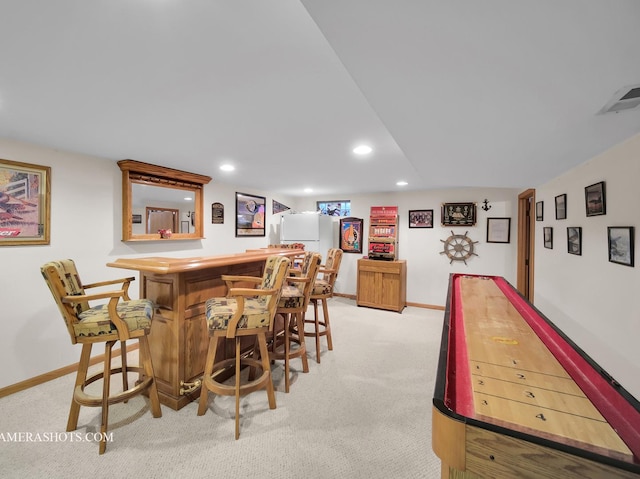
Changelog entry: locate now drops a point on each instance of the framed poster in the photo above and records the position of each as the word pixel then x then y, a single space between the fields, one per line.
pixel 351 235
pixel 539 211
pixel 547 232
pixel 574 240
pixel 621 241
pixel 25 203
pixel 561 207
pixel 458 214
pixel 250 215
pixel 594 199
pixel 498 230
pixel 420 218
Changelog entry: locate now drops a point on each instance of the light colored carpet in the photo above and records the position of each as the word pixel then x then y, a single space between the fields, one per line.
pixel 364 412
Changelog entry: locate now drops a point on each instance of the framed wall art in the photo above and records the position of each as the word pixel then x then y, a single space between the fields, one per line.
pixel 351 235
pixel 594 199
pixel 498 230
pixel 420 218
pixel 561 207
pixel 335 207
pixel 25 203
pixel 547 235
pixel 250 215
pixel 620 241
pixel 539 211
pixel 574 240
pixel 458 214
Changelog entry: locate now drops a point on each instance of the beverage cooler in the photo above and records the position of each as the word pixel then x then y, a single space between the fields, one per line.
pixel 313 230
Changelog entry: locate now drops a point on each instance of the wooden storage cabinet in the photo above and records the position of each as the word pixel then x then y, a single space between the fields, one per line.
pixel 382 284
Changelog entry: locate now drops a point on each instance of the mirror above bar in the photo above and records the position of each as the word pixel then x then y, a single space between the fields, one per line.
pixel 160 203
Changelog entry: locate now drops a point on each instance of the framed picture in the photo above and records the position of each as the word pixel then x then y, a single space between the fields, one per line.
pixel 250 213
pixel 25 203
pixel 184 227
pixel 334 207
pixel 561 207
pixel 498 230
pixel 547 234
pixel 136 219
pixel 621 242
pixel 351 235
pixel 420 218
pixel 594 199
pixel 458 214
pixel 574 240
pixel 539 211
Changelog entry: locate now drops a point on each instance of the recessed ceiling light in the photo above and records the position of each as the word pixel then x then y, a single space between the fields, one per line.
pixel 402 183
pixel 308 190
pixel 362 150
pixel 188 198
pixel 227 167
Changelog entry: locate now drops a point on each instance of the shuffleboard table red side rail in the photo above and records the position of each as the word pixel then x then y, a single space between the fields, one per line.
pixel 453 394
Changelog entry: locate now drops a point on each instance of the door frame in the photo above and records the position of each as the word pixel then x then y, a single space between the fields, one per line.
pixel 526 243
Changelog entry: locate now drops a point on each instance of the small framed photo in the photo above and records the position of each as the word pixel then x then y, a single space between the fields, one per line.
pixel 420 218
pixel 498 230
pixel 594 199
pixel 539 211
pixel 561 207
pixel 574 240
pixel 136 219
pixel 620 241
pixel 351 235
pixel 458 214
pixel 547 234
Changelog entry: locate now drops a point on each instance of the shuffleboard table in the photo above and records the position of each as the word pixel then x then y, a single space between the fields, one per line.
pixel 516 398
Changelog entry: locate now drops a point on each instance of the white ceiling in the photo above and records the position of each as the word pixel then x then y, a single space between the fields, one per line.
pixel 449 93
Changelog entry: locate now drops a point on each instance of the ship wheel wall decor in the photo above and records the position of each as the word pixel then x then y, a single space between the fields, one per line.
pixel 458 247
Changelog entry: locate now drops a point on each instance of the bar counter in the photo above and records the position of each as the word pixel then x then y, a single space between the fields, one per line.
pixel 179 287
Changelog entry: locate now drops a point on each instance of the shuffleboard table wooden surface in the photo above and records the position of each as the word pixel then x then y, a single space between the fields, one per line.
pixel 516 398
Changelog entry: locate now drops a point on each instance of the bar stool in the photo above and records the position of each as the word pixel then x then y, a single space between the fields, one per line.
pixel 323 290
pixel 119 320
pixel 244 312
pixel 293 303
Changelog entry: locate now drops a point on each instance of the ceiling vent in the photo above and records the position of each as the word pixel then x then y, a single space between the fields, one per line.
pixel 624 99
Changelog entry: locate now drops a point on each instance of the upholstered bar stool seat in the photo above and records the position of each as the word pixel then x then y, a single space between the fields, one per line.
pixel 244 312
pixel 293 303
pixel 323 290
pixel 121 319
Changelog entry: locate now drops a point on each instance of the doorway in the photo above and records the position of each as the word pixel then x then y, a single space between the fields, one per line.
pixel 161 219
pixel 526 243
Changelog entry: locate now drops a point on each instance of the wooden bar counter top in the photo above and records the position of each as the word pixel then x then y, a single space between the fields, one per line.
pixel 179 287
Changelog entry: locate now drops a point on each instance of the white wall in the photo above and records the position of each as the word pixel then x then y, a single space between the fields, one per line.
pixel 589 298
pixel 86 226
pixel 427 270
pixel 592 300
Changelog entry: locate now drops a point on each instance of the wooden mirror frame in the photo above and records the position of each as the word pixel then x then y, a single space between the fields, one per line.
pixel 147 174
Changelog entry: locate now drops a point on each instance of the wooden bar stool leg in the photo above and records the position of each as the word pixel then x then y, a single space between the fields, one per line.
pixel 123 360
pixel 287 349
pixel 300 325
pixel 208 371
pixel 145 357
pixel 264 352
pixel 327 326
pixel 81 377
pixel 238 369
pixel 317 330
pixel 106 384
